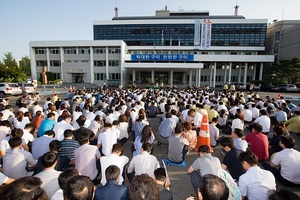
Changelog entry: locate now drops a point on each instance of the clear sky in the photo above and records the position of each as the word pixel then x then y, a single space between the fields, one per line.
pixel 22 21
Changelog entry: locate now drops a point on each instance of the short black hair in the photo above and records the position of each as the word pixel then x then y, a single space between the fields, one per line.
pixel 15 142
pixel 112 172
pixel 288 141
pixel 238 132
pixel 68 133
pixel 160 174
pixel 249 157
pixel 227 141
pixel 257 127
pixel 55 146
pixel 50 133
pixel 204 149
pixel 65 176
pixel 147 147
pixel 49 159
pixel 79 187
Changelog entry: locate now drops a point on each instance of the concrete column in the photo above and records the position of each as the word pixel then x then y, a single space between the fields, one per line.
pixel 133 75
pixel 229 73
pixel 106 66
pixel 225 74
pixel 48 59
pixel 245 73
pixel 183 78
pixel 211 76
pixel 261 69
pixel 240 72
pixel 62 64
pixel 215 74
pixel 171 78
pixel 92 64
pixel 190 78
pixel 152 76
pixel 254 72
pixel 199 78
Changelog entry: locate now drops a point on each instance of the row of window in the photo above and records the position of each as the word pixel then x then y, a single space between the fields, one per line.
pixel 102 76
pixel 83 50
pixel 221 78
pixel 97 63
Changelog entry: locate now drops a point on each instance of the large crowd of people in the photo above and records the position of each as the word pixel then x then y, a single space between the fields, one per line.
pixel 72 147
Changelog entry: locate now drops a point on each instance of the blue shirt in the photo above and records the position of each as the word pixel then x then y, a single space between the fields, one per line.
pixel 46 125
pixel 111 191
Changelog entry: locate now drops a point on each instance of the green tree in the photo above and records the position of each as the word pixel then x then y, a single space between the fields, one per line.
pixel 9 67
pixel 286 70
pixel 24 65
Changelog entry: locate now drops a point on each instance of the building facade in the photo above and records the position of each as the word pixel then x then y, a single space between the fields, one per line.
pixel 173 48
pixel 283 39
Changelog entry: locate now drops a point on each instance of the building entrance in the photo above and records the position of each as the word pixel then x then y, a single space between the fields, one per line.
pixel 161 77
pixel 77 77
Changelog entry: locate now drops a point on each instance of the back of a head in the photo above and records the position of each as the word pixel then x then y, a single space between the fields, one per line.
pixel 68 133
pixel 65 176
pixel 147 147
pixel 227 141
pixel 112 172
pixel 178 129
pixel 17 132
pixel 117 148
pixel 204 149
pixel 239 132
pixel 280 194
pixel 49 159
pixel 26 188
pixel 249 157
pixel 83 138
pixel 143 187
pixel 79 188
pixel 55 146
pixel 50 133
pixel 81 120
pixel 287 141
pixel 15 142
pixel 213 187
pixel 160 174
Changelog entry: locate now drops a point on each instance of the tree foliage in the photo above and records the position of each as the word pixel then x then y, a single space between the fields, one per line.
pixel 286 70
pixel 10 71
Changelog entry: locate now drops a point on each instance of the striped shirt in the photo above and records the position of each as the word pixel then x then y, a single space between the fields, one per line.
pixel 68 147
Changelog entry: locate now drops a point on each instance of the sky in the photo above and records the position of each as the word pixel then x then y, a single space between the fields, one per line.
pixel 22 21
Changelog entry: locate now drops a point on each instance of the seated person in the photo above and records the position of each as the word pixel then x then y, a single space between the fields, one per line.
pixel 112 190
pixel 178 146
pixel 289 160
pixel 163 184
pixel 79 187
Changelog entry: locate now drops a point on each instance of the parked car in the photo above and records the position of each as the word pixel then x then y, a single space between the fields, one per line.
pixel 9 89
pixel 240 86
pixel 27 88
pixel 271 88
pixel 288 88
pixel 255 87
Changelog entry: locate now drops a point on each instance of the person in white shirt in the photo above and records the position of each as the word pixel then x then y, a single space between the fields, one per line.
pixel 5 180
pixel 264 121
pixel 16 161
pixel 46 104
pixel 20 121
pixel 86 158
pixel 100 112
pixel 61 126
pixel 247 114
pixel 49 175
pixel 144 163
pixel 289 160
pixel 7 113
pixel 41 144
pixel 107 139
pixel 62 181
pixel 115 158
pixel 5 129
pixel 255 111
pixel 27 135
pixel 36 108
pixel 256 182
pixel 239 143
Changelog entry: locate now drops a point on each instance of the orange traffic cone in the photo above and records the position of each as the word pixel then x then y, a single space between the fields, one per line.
pixel 204 137
pixel 279 96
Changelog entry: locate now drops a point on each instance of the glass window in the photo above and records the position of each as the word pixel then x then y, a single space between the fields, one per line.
pixel 99 50
pixel 84 50
pixel 40 51
pixel 41 63
pixel 55 63
pixel 70 50
pixel 99 63
pixel 54 50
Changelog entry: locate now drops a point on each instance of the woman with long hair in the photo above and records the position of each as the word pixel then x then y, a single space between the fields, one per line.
pixel 190 135
pixel 147 136
pixel 123 127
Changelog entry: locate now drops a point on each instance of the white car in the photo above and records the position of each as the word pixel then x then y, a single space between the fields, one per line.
pixel 28 88
pixel 9 89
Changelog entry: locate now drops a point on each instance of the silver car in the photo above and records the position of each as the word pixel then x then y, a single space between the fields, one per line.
pixel 28 88
pixel 9 89
pixel 288 88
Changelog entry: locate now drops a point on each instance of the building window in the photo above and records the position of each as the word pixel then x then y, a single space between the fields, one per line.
pixel 84 50
pixel 41 63
pixel 70 50
pixel 55 63
pixel 113 63
pixel 99 63
pixel 114 76
pixel 40 51
pixel 99 50
pixel 99 76
pixel 54 51
pixel 56 75
pixel 114 50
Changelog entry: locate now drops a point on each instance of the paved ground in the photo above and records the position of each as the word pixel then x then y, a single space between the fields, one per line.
pixel 180 180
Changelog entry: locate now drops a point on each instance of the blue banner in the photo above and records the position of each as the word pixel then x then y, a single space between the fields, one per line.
pixel 162 57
